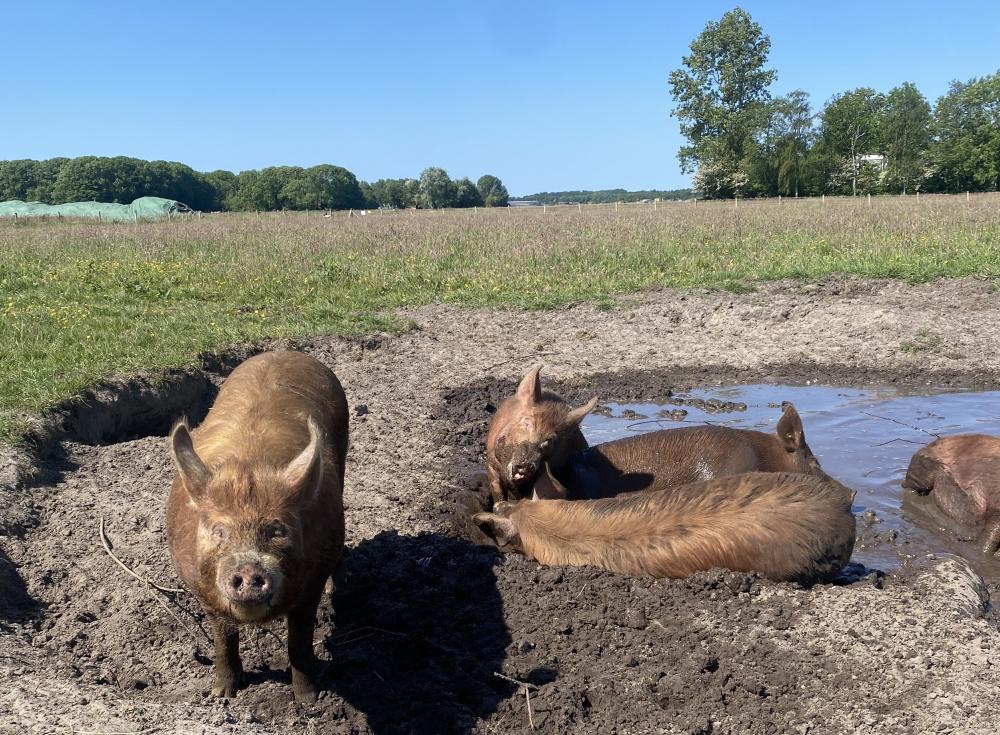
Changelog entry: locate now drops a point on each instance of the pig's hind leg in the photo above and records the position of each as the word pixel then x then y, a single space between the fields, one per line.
pixel 228 667
pixel 992 543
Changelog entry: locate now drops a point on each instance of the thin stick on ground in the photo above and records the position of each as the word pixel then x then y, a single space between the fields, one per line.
pixel 527 693
pixel 106 543
pixel 515 359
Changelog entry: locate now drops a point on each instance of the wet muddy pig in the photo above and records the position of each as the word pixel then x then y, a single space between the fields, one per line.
pixel 531 427
pixel 255 518
pixel 786 526
pixel 962 474
pixel 662 459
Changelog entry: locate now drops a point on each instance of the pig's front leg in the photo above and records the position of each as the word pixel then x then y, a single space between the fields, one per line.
pixel 301 624
pixel 228 667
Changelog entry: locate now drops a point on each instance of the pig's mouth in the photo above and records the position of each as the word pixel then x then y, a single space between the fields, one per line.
pixel 521 477
pixel 251 610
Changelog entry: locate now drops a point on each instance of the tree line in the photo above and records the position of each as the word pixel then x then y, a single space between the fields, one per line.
pixel 741 141
pixel 121 179
pixel 603 196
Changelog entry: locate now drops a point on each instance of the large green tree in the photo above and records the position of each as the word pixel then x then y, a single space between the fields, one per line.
pixel 905 129
pixel 436 189
pixel 850 129
pixel 965 153
pixel 492 190
pixel 721 96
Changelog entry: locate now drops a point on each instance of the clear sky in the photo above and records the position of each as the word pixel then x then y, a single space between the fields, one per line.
pixel 546 95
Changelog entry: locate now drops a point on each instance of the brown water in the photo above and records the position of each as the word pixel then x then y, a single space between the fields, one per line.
pixel 863 437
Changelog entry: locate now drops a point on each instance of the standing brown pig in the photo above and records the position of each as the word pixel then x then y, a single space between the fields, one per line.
pixel 786 526
pixel 255 518
pixel 531 427
pixel 662 459
pixel 963 474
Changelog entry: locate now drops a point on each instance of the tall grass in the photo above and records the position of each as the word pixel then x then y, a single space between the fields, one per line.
pixel 80 301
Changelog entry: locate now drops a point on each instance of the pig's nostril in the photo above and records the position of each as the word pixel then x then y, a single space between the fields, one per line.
pixel 236 582
pixel 257 581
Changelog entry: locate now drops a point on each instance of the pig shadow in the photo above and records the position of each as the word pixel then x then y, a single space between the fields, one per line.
pixel 16 605
pixel 420 633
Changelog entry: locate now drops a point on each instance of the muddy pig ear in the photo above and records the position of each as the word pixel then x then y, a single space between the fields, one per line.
pixel 577 414
pixel 304 472
pixel 500 530
pixel 547 487
pixel 790 432
pixel 192 471
pixel 530 389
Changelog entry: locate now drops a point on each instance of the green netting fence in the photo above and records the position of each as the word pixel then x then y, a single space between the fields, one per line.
pixel 143 208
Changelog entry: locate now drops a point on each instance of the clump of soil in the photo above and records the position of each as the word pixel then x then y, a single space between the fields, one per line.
pixel 423 621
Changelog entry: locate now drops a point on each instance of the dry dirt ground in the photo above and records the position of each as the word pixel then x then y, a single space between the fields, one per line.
pixel 424 622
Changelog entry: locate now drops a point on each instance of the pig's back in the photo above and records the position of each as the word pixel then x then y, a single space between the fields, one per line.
pixel 262 410
pixel 659 460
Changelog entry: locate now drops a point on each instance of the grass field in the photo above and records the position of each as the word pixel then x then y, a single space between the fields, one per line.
pixel 80 301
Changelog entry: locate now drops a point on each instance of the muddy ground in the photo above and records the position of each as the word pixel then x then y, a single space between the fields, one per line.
pixel 423 622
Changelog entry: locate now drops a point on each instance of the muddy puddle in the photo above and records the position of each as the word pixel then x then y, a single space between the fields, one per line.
pixel 863 437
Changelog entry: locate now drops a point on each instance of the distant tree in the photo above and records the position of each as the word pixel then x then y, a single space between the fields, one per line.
pixel 850 128
pixel 721 98
pixel 492 191
pixel 965 152
pixel 905 129
pixel 466 194
pixel 436 189
pixel 392 193
pixel 223 185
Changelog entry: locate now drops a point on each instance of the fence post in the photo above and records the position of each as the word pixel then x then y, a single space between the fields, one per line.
pixel 824 198
pixel 779 200
pixel 99 218
pixel 654 205
pixel 545 208
pixel 967 196
pixel 616 207
pixel 736 202
pixel 579 207
pixel 869 199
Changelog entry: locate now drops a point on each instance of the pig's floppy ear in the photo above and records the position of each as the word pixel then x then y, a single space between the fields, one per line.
pixel 192 471
pixel 790 432
pixel 577 414
pixel 500 530
pixel 530 389
pixel 547 487
pixel 305 471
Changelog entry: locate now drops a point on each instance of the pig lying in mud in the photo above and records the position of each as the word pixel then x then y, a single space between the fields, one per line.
pixel 535 427
pixel 962 473
pixel 255 518
pixel 531 427
pixel 663 459
pixel 789 527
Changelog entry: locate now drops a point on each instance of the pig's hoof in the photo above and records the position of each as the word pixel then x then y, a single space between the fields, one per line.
pixel 226 686
pixel 304 692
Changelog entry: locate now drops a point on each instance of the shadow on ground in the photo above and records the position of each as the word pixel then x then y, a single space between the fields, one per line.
pixel 420 633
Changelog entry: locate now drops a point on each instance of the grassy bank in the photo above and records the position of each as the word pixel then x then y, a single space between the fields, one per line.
pixel 81 301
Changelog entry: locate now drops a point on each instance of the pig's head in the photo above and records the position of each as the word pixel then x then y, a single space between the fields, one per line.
pixel 249 535
pixel 500 527
pixel 532 427
pixel 792 438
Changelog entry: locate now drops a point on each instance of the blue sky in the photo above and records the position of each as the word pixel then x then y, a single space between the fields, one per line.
pixel 546 95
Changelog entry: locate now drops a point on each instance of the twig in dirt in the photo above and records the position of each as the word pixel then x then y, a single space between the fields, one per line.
pixel 902 423
pixel 527 693
pixel 122 732
pixel 514 359
pixel 179 621
pixel 512 680
pixel 107 547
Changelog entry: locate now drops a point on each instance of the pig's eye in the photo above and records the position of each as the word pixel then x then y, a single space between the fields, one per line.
pixel 277 529
pixel 220 532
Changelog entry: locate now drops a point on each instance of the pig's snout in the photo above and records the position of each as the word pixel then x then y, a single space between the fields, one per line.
pixel 523 471
pixel 249 583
